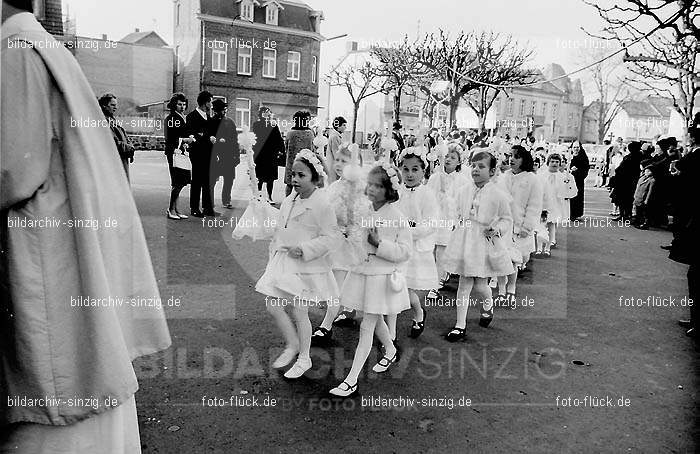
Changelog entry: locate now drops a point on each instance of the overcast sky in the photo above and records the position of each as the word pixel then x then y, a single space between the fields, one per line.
pixel 551 27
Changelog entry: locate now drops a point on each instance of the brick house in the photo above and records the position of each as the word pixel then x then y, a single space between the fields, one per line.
pixel 50 14
pixel 251 53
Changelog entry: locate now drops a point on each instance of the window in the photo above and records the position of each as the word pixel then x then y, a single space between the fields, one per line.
pixel 497 105
pixel 314 66
pixel 219 57
pixel 247 10
pixel 533 107
pixel 554 110
pixel 271 16
pixel 544 109
pixel 245 57
pixel 243 113
pixel 510 106
pixel 177 14
pixel 293 65
pixel 522 107
pixel 269 63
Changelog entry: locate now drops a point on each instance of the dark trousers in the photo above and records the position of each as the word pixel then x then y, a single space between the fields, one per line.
pixel 201 184
pixel 226 188
pixel 576 203
pixel 693 293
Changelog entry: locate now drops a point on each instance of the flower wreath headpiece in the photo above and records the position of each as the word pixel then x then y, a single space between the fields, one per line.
pixel 309 156
pixel 393 176
pixel 420 152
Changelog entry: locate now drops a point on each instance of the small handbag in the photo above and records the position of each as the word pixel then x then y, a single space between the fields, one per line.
pixel 181 161
pixel 397 281
pixel 498 257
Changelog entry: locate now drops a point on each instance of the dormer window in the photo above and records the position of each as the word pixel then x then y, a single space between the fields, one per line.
pixel 248 9
pixel 272 9
pixel 272 15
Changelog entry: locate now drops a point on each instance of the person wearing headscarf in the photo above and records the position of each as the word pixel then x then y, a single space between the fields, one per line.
pixel 579 169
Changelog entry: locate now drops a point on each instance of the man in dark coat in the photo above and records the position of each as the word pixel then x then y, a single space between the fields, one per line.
pixel 226 155
pixel 396 135
pixel 268 149
pixel 200 155
pixel 686 244
pixel 579 169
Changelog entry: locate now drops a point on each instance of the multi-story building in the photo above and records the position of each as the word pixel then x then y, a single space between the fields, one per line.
pixel 50 14
pixel 550 111
pixel 250 53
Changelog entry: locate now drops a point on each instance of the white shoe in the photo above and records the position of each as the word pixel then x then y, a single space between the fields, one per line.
pixel 344 389
pixel 285 358
pixel 298 369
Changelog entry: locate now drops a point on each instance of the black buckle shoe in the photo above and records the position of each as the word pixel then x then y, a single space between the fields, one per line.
pixel 345 318
pixel 321 336
pixel 457 334
pixel 417 328
pixel 486 316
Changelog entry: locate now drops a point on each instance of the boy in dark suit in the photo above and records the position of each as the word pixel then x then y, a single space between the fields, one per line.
pixel 225 150
pixel 201 154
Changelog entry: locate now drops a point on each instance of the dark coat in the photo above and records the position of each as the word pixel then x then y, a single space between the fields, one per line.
pixel 686 244
pixel 625 181
pixel 269 146
pixel 227 153
pixel 175 129
pixel 200 150
pixel 580 161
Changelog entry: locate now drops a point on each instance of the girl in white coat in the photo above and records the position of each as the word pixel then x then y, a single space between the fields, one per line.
pixel 378 286
pixel 525 190
pixel 299 271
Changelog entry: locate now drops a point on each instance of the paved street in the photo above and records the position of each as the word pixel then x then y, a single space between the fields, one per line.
pixel 521 385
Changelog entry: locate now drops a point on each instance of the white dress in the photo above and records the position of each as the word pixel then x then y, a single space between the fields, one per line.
pixel 468 249
pixel 420 206
pixel 368 286
pixel 302 223
pixel 525 189
pixel 445 186
pixel 554 191
pixel 349 204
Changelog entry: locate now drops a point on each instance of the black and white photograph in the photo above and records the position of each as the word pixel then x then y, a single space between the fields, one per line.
pixel 319 226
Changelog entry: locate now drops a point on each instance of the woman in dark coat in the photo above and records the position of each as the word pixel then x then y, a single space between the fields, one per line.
pixel 268 147
pixel 175 130
pixel 301 136
pixel 579 169
pixel 624 182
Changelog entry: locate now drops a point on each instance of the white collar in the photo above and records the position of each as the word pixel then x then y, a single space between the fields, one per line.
pixel 202 113
pixel 20 22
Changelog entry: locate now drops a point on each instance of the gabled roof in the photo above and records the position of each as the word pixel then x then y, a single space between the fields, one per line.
pixel 662 105
pixel 267 3
pixel 138 37
pixel 297 15
pixel 639 109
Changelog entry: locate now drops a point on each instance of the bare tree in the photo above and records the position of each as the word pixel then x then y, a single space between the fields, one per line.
pixel 607 83
pixel 669 63
pixel 498 60
pixel 400 67
pixel 361 81
pixel 450 59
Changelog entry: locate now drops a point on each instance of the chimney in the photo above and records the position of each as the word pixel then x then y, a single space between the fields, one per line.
pixel 137 30
pixel 104 37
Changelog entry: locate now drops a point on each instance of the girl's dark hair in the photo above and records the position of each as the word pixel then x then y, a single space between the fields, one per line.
pixel 391 194
pixel 528 164
pixel 411 155
pixel 315 177
pixel 174 99
pixel 480 155
pixel 301 119
pixel 554 156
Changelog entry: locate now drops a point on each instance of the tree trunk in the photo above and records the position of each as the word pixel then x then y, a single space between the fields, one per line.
pixel 482 122
pixel 397 104
pixel 355 109
pixel 454 104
